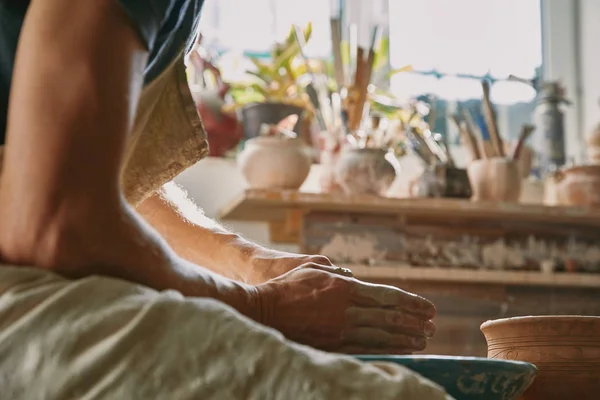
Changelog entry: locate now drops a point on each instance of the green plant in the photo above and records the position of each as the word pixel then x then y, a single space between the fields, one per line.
pixel 275 80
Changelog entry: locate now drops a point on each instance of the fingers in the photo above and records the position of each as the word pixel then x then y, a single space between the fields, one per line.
pixel 390 320
pixel 373 338
pixel 372 295
pixel 327 267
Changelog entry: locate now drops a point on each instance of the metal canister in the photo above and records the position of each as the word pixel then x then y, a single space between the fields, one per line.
pixel 549 136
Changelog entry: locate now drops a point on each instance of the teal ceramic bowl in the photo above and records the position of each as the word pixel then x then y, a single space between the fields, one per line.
pixel 469 378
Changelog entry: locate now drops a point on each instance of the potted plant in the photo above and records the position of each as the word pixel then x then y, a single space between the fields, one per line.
pixel 271 91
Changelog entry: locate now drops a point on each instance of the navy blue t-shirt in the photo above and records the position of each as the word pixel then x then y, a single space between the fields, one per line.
pixel 164 25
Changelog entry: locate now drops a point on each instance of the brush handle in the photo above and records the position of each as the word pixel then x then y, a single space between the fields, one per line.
pixel 526 131
pixel 469 141
pixel 490 119
pixel 336 45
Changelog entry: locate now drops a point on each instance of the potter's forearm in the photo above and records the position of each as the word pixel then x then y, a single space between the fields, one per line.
pixel 72 104
pixel 197 238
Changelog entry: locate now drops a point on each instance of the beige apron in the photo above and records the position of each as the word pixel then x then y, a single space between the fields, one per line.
pixel 106 339
pixel 167 136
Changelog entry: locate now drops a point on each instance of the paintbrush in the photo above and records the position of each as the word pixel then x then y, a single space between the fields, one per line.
pixel 490 119
pixel 310 88
pixel 432 109
pixel 355 113
pixel 466 137
pixel 481 146
pixel 336 47
pixel 419 145
pixel 526 131
pixel 366 72
pixel 353 43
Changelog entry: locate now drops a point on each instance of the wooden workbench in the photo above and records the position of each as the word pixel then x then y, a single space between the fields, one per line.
pixel 465 297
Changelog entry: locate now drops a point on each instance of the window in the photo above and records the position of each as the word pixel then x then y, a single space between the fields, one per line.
pixel 453 44
pixel 252 26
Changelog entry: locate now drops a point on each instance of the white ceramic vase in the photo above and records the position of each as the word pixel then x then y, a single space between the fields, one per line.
pixel 274 163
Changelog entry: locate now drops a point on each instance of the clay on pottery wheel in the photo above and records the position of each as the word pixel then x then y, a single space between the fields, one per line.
pixel 565 349
pixel 275 163
pixel 495 179
pixel 468 378
pixel 365 171
pixel 579 186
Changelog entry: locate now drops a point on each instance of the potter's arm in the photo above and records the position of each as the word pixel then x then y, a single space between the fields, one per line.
pixel 200 240
pixel 72 104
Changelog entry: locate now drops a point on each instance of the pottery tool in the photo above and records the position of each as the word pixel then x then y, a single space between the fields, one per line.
pixel 473 135
pixel 336 47
pixel 419 146
pixel 490 119
pixel 431 118
pixel 336 111
pixel 415 137
pixel 353 42
pixel 466 137
pixel 484 147
pixel 434 146
pixel 431 122
pixel 354 111
pixel 526 132
pixel 487 147
pixel 310 88
pixel 363 80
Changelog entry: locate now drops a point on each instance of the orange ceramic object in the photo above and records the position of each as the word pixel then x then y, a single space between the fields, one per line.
pixel 565 349
pixel 579 186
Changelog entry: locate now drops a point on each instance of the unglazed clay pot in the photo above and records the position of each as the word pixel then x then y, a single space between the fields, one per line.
pixel 275 163
pixel 593 145
pixel 495 179
pixel 365 171
pixel 565 349
pixel 579 186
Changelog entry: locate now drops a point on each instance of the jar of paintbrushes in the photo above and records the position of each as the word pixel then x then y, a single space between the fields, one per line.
pixel 357 155
pixel 495 175
pixel 368 164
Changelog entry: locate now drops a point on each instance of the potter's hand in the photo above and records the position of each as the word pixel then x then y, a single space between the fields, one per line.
pixel 267 264
pixel 313 306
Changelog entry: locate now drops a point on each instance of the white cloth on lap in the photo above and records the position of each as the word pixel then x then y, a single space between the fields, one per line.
pixel 102 338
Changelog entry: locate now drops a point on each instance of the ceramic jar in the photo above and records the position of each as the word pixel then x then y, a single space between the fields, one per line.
pixel 578 186
pixel 565 349
pixel 593 149
pixel 593 145
pixel 275 163
pixel 365 171
pixel 495 179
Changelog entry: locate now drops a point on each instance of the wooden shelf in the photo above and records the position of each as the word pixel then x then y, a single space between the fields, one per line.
pixel 449 275
pixel 268 205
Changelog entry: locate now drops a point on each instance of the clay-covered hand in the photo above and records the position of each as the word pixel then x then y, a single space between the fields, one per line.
pixel 318 306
